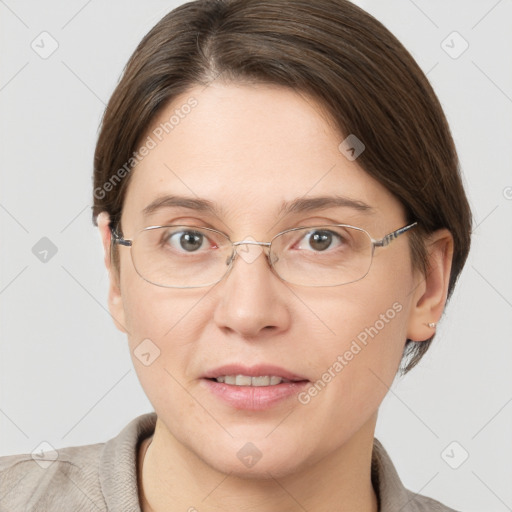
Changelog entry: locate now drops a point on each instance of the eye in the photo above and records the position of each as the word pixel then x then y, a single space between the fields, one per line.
pixel 322 239
pixel 185 240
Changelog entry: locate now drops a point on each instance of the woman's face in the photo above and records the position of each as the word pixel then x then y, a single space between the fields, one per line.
pixel 247 150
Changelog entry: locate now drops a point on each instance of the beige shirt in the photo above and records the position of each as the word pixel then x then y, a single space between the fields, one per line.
pixel 103 477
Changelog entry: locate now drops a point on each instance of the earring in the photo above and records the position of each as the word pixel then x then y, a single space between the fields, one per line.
pixel 432 325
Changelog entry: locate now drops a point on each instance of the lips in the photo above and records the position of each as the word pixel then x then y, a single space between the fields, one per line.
pixel 245 387
pixel 260 370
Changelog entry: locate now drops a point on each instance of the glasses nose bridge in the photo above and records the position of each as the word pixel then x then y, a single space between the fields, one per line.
pixel 235 245
pixel 252 242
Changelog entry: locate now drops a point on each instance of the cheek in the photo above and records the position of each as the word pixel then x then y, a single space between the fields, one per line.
pixel 357 357
pixel 151 312
pixel 160 330
pixel 366 334
pixel 167 317
pixel 164 323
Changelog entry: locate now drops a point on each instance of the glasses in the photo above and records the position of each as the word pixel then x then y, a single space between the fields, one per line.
pixel 192 257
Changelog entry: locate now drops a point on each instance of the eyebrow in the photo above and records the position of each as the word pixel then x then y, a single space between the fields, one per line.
pixel 299 205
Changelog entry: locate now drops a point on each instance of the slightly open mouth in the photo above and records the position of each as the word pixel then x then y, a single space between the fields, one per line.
pixel 261 381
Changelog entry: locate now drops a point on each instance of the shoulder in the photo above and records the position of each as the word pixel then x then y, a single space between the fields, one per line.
pixel 420 503
pixel 97 477
pixel 48 481
pixel 391 492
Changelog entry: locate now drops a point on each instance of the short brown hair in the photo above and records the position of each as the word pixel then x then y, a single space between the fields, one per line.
pixel 330 49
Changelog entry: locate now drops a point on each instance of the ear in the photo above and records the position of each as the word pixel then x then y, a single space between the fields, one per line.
pixel 431 290
pixel 115 301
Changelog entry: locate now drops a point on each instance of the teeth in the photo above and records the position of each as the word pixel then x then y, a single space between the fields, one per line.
pixel 262 381
pixel 243 380
pixel 246 380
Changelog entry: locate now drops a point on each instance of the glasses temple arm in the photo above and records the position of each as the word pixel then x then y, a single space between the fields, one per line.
pixel 117 238
pixel 391 236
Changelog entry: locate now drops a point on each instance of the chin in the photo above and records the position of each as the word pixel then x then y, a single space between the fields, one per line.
pixel 259 460
pixel 261 470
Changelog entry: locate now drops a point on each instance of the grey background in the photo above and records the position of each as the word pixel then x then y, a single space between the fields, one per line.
pixel 65 372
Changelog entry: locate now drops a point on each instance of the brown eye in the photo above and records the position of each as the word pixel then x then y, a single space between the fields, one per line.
pixel 321 239
pixel 188 241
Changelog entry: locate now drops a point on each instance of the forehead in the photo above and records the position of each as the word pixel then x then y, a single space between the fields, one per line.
pixel 248 148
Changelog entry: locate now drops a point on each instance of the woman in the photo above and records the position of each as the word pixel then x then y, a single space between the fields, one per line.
pixel 283 219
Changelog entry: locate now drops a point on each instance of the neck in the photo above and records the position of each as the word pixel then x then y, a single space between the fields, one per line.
pixel 173 479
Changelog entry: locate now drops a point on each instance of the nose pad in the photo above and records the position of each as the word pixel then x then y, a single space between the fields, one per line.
pixel 231 258
pixel 272 258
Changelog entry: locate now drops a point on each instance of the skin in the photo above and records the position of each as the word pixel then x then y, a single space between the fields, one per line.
pixel 248 148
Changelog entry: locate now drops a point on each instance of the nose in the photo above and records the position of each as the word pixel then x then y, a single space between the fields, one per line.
pixel 253 301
